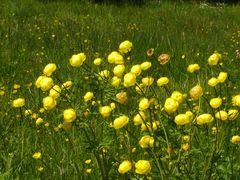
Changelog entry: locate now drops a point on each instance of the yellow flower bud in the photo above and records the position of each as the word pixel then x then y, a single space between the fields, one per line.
pixel 193 67
pixel 146 65
pixel 37 155
pixel 186 138
pixel 115 57
pixel 118 70
pixel 125 47
pixel 196 92
pixel 142 167
pixel 233 114
pixel 177 96
pixel 235 139
pixel 17 103
pixel 55 91
pixel 88 161
pixel 222 115
pixel 88 96
pixel 236 100
pixel 222 77
pixel 49 103
pixel 185 146
pixel 204 119
pixel 136 69
pixel 171 105
pixel 105 111
pixel 124 167
pixel 129 79
pixel 120 122
pixel 77 59
pixel 139 118
pixel 213 82
pixel 147 81
pixel 46 83
pixel 214 58
pixel 69 115
pixel 143 104
pixel 49 69
pixel 115 81
pixel 146 141
pixel 182 119
pixel 163 58
pixel 97 61
pixel 88 171
pixel 28 112
pixel 39 121
pixel 215 102
pixel 162 81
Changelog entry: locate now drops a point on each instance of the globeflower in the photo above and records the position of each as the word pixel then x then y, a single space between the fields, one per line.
pixel 115 81
pixel 69 115
pixel 222 77
pixel 17 103
pixel 177 96
pixel 182 119
pixel 97 61
pixel 193 67
pixel 55 91
pixel 196 92
pixel 49 69
pixel 139 118
pixel 146 65
pixel 162 81
pixel 103 74
pixel 146 141
pixel 37 155
pixel 67 85
pixel 143 104
pixel 163 58
pixel 49 103
pixel 147 81
pixel 129 79
pixel 124 167
pixel 38 81
pixel 46 83
pixel 235 139
pixel 204 119
pixel 115 58
pixel 120 122
pixel 213 82
pixel 215 102
pixel 142 167
pixel 222 115
pixel 77 59
pixel 171 105
pixel 88 96
pixel 236 100
pixel 105 111
pixel 125 47
pixel 233 114
pixel 118 70
pixel 122 97
pixel 136 69
pixel 214 58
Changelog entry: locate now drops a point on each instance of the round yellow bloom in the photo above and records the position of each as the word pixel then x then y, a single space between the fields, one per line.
pixel 146 65
pixel 139 118
pixel 170 105
pixel 115 57
pixel 213 82
pixel 46 83
pixel 186 138
pixel 49 69
pixel 120 122
pixel 67 85
pixel 162 81
pixel 235 139
pixel 28 112
pixel 163 58
pixel 69 115
pixel 88 96
pixel 193 67
pixel 143 104
pixel 88 171
pixel 182 119
pixel 236 100
pixel 204 119
pixel 105 111
pixel 214 58
pixel 103 74
pixel 136 69
pixel 215 102
pixel 122 97
pixel 88 161
pixel 37 155
pixel 39 121
pixel 142 167
pixel 196 92
pixel 125 47
pixel 147 81
pixel 233 114
pixel 146 141
pixel 38 81
pixel 115 81
pixel 222 77
pixel 124 167
pixel 190 114
pixel 97 61
pixel 55 91
pixel 222 115
pixel 185 146
pixel 177 96
pixel 129 79
pixel 49 103
pixel 17 103
pixel 77 59
pixel 118 70
pixel 113 105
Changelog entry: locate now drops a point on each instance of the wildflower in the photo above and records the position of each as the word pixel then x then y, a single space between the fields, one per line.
pixel 213 82
pixel 39 121
pixel 236 100
pixel 146 65
pixel 40 169
pixel 214 130
pixel 233 114
pixel 129 79
pixel 88 171
pixel 113 106
pixel 88 161
pixel 143 104
pixel 136 69
pixel 17 103
pixel 88 96
pixel 28 112
pixel 69 115
pixel 139 118
pixel 37 155
pixel 215 102
pixel 177 96
pixel 142 167
pixel 77 59
pixel 38 81
pixel 235 139
pixel 97 61
pixel 186 138
pixel 196 92
pixel 49 103
pixel 182 119
pixel 124 167
pixel 222 115
pixel 46 83
pixel 162 81
pixel 163 58
pixel 122 97
pixel 147 81
pixel 222 77
pixel 170 105
pixel 103 74
pixel 118 70
pixel 67 85
pixel 125 47
pixel 146 141
pixel 105 111
pixel 193 67
pixel 204 119
pixel 115 81
pixel 16 86
pixel 185 146
pixel 115 58
pixel 120 122
pixel 214 58
pixel 55 91
pixel 150 52
pixel 49 69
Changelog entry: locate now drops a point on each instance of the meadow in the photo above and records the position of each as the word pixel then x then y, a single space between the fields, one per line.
pixel 99 91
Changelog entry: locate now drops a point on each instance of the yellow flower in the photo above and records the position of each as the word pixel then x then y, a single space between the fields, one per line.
pixel 38 81
pixel 120 122
pixel 146 65
pixel 222 77
pixel 39 121
pixel 46 83
pixel 142 167
pixel 177 96
pixel 103 74
pixel 236 100
pixel 193 67
pixel 125 47
pixel 235 139
pixel 88 161
pixel 196 92
pixel 129 79
pixel 215 102
pixel 105 111
pixel 147 81
pixel 204 119
pixel 69 115
pixel 118 70
pixel 88 96
pixel 190 114
pixel 143 104
pixel 113 105
pixel 67 85
pixel 77 59
pixel 115 57
pixel 17 103
pixel 213 82
pixel 124 167
pixel 55 91
pixel 122 97
pixel 49 69
pixel 88 171
pixel 170 105
pixel 28 112
pixel 115 81
pixel 214 58
pixel 163 58
pixel 222 115
pixel 186 138
pixel 146 141
pixel 37 155
pixel 162 81
pixel 182 119
pixel 136 69
pixel 49 103
pixel 16 86
pixel 233 114
pixel 139 118
pixel 97 61
pixel 185 146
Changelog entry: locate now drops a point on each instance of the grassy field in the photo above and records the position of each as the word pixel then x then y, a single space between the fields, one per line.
pixel 127 122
